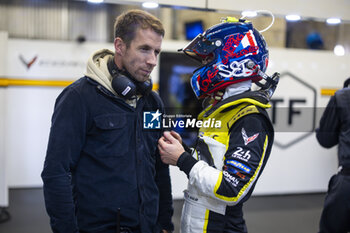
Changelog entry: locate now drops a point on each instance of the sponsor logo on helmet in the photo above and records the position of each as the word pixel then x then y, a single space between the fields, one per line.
pixel 235 69
pixel 239 45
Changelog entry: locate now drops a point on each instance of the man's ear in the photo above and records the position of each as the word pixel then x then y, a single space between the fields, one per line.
pixel 119 46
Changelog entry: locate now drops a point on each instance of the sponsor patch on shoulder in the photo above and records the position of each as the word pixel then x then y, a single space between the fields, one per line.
pixel 238 165
pixel 233 180
pixel 247 139
pixel 234 171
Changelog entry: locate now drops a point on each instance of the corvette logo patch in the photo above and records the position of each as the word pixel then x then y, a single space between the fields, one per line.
pixel 247 139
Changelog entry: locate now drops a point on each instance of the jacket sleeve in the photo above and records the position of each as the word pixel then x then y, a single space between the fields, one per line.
pixel 328 132
pixel 244 160
pixel 66 138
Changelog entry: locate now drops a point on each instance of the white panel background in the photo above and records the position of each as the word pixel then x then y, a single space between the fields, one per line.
pixel 3 181
pixel 304 167
pixel 58 60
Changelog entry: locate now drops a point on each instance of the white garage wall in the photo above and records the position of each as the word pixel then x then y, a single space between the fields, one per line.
pixel 304 166
pixel 301 167
pixel 29 109
pixel 3 181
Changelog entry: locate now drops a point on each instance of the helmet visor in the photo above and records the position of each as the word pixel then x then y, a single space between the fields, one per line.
pixel 200 48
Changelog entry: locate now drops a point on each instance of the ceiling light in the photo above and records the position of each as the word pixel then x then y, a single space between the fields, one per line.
pixel 293 17
pixel 333 21
pixel 339 50
pixel 249 14
pixel 95 1
pixel 150 5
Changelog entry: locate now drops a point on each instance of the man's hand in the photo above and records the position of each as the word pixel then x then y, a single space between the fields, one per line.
pixel 170 147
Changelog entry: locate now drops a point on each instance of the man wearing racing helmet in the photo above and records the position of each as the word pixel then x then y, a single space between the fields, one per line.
pixel 226 162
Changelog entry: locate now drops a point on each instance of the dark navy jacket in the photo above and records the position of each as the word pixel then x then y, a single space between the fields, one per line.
pixel 335 126
pixel 100 161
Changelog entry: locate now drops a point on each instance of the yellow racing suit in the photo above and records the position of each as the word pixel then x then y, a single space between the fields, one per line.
pixel 225 164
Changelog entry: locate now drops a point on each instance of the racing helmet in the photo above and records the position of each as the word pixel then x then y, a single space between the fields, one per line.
pixel 230 52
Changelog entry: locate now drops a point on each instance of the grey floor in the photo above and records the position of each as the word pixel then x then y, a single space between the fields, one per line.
pixel 263 214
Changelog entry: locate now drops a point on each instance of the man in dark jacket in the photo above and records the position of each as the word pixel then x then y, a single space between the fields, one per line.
pixel 335 129
pixel 102 171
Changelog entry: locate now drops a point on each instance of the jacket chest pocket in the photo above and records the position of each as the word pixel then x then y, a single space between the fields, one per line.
pixel 111 135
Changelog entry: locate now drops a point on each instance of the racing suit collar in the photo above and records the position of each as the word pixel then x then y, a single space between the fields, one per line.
pixel 258 98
